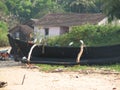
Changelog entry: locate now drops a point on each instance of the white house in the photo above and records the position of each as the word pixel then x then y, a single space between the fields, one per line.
pixel 57 24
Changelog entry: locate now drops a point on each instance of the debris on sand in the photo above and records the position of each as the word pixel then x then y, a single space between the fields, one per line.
pixel 3 84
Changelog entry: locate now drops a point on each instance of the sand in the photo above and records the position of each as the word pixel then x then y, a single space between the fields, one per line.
pixel 14 72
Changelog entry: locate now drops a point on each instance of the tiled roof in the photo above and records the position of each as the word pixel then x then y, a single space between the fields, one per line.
pixel 70 19
pixel 31 22
pixel 24 28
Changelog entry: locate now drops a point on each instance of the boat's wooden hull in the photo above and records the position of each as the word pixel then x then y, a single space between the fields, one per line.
pixel 66 55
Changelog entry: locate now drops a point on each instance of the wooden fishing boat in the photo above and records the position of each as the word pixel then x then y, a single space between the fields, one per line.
pixel 42 54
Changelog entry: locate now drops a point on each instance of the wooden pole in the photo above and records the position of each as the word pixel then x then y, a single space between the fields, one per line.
pixel 81 51
pixel 29 54
pixel 23 79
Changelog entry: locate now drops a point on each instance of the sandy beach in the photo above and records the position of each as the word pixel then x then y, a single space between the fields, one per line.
pixel 19 77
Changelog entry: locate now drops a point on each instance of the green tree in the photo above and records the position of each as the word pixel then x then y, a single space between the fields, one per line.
pixel 80 6
pixel 3 8
pixel 3 11
pixel 19 8
pixel 3 34
pixel 26 9
pixel 43 7
pixel 111 8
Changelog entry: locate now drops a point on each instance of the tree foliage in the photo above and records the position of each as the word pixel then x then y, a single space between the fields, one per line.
pixel 23 10
pixel 3 8
pixel 79 6
pixel 111 8
pixel 3 34
pixel 82 5
pixel 26 9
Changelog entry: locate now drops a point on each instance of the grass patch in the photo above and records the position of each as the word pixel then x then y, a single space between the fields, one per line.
pixel 115 67
pixel 50 68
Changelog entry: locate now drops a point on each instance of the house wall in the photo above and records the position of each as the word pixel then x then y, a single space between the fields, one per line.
pixel 53 31
pixel 103 22
pixel 115 22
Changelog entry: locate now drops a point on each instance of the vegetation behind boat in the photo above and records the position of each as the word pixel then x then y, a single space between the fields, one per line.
pixel 92 35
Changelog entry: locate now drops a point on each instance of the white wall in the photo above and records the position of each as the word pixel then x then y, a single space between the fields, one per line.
pixel 103 22
pixel 53 31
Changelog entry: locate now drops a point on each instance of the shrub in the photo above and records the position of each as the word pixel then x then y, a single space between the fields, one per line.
pixel 3 34
pixel 92 35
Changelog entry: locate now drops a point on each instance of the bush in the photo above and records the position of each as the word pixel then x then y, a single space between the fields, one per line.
pixel 92 35
pixel 3 34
